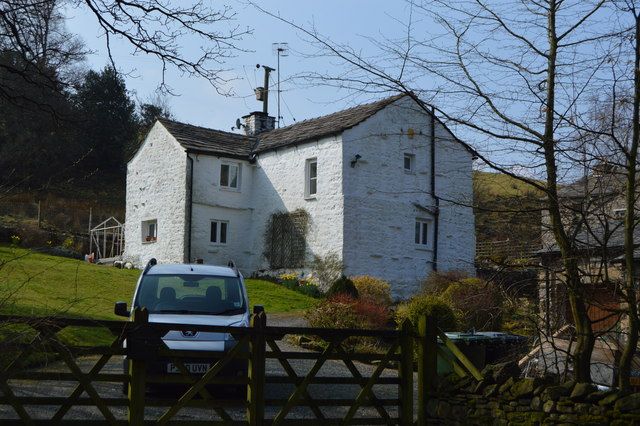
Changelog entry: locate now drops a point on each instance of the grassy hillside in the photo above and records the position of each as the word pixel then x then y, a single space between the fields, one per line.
pixel 37 284
pixel 505 209
pixel 501 185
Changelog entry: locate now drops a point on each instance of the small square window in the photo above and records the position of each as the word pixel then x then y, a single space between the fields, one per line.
pixel 619 214
pixel 150 230
pixel 311 178
pixel 219 231
pixel 230 175
pixel 408 162
pixel 422 232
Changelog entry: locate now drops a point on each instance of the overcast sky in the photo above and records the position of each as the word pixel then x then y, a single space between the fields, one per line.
pixel 198 103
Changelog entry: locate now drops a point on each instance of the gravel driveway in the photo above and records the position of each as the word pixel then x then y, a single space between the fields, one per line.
pixel 273 391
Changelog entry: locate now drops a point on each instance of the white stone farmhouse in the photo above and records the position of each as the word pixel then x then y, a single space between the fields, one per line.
pixel 385 186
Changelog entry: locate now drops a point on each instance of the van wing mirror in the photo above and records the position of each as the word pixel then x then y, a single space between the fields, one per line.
pixel 120 309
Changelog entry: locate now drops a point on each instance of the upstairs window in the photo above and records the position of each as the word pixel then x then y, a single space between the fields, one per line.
pixel 219 231
pixel 422 232
pixel 149 230
pixel 230 175
pixel 311 178
pixel 619 214
pixel 408 163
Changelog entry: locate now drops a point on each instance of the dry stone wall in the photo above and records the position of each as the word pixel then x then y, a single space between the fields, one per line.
pixel 502 399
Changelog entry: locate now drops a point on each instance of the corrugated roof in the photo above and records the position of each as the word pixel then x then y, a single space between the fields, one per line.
pixel 317 128
pixel 209 141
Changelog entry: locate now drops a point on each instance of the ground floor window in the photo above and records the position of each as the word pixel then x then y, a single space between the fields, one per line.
pixel 422 232
pixel 149 230
pixel 219 230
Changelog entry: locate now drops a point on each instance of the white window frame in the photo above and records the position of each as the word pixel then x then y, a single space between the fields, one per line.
pixel 308 179
pixel 149 230
pixel 619 214
pixel 230 165
pixel 412 160
pixel 421 232
pixel 218 233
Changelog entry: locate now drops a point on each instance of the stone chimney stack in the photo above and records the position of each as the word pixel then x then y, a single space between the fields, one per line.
pixel 258 122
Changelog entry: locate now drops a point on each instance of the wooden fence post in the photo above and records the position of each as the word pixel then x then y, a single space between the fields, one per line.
pixel 406 373
pixel 427 363
pixel 39 216
pixel 255 391
pixel 137 377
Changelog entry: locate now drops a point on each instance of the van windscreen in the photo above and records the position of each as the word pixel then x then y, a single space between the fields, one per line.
pixel 191 294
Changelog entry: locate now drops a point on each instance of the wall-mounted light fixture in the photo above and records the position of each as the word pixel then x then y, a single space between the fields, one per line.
pixel 355 160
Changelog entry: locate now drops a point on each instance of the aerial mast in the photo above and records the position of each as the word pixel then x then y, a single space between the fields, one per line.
pixel 280 49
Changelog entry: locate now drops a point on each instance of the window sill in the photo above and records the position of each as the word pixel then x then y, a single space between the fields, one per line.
pixel 310 197
pixel 149 242
pixel 229 189
pixel 423 248
pixel 409 172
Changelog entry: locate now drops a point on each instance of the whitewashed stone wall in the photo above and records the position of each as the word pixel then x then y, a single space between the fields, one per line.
pixel 279 185
pixel 454 186
pixel 381 198
pixel 213 202
pixel 156 189
pixel 365 213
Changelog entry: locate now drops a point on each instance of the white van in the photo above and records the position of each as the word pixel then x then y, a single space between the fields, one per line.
pixel 193 294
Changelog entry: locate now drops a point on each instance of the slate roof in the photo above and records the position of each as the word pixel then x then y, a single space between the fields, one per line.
pixel 594 239
pixel 209 141
pixel 610 184
pixel 320 127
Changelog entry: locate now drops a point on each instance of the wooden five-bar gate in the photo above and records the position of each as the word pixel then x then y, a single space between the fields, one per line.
pixel 84 385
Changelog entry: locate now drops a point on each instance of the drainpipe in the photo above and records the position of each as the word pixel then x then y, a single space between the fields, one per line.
pixel 190 207
pixel 433 189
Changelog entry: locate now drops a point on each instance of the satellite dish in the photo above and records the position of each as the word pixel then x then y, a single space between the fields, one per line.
pixel 238 124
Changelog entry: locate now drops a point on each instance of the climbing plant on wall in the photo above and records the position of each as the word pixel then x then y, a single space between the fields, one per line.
pixel 285 239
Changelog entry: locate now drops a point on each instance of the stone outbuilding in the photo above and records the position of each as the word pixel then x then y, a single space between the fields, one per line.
pixel 385 186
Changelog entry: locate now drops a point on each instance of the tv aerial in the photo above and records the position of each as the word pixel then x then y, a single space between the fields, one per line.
pixel 280 49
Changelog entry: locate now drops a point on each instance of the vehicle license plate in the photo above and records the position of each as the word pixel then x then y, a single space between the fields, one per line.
pixel 194 368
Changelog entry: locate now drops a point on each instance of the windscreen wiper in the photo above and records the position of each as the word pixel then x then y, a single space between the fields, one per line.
pixel 229 311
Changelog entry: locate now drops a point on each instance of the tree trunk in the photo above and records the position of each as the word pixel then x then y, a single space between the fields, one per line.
pixel 584 333
pixel 629 350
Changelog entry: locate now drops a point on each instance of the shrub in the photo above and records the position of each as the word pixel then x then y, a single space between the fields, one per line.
pixel 437 282
pixel 309 288
pixel 428 304
pixel 68 243
pixel 344 311
pixel 336 312
pixel 478 303
pixel 373 289
pixel 326 270
pixel 343 285
pixel 372 315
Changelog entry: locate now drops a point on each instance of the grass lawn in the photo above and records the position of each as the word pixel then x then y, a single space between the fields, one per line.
pixel 43 285
pixel 37 284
